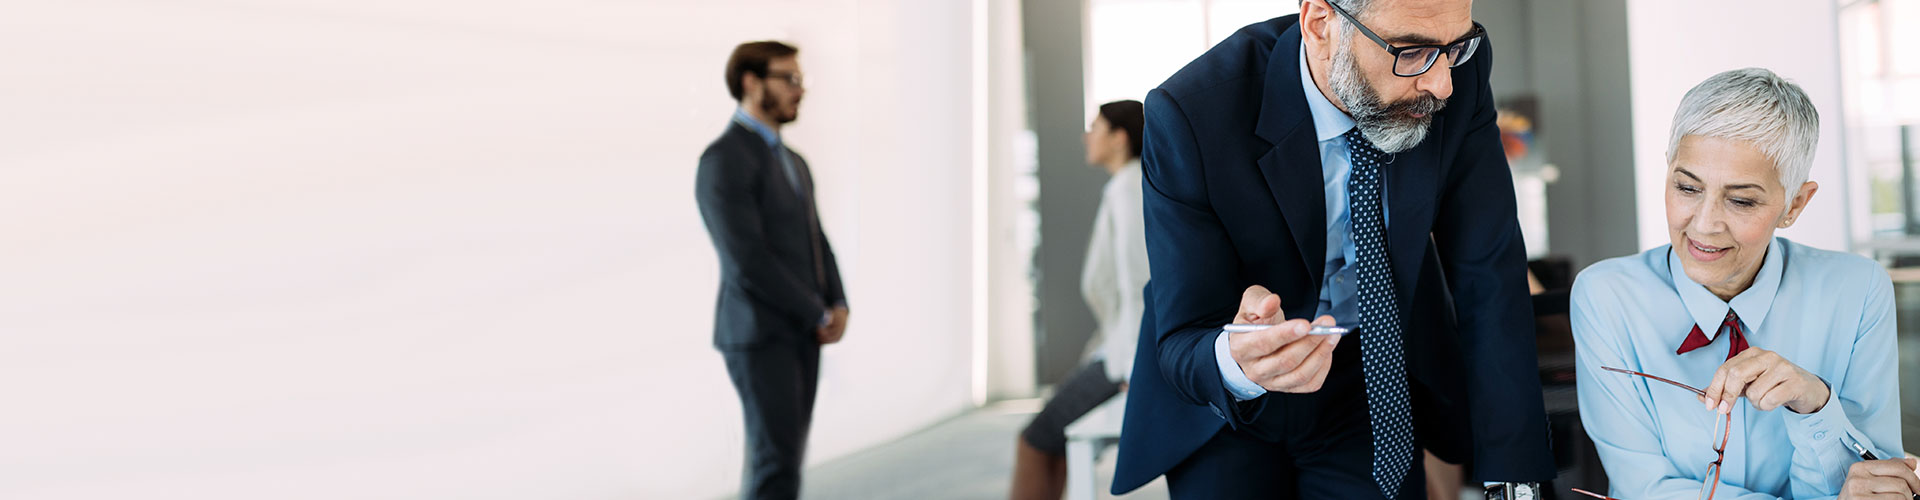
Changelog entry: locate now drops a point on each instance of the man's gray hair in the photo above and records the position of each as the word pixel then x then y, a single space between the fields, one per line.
pixel 1757 106
pixel 1356 7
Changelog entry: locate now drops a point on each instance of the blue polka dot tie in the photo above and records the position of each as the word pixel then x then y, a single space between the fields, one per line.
pixel 1380 352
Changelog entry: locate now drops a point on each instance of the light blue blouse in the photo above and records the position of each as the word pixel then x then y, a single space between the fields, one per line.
pixel 1829 313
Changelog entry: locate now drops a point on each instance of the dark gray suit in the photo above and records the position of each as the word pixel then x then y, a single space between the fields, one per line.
pixel 778 278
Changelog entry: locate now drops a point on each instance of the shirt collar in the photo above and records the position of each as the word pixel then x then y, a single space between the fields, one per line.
pixel 1708 311
pixel 765 132
pixel 1329 121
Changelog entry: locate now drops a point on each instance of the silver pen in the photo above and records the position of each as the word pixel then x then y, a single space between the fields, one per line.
pixel 1317 329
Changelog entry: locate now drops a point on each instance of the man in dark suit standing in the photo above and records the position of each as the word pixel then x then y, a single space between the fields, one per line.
pixel 1342 165
pixel 780 293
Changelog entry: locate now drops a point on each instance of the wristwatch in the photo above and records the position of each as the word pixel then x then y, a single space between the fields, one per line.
pixel 1513 491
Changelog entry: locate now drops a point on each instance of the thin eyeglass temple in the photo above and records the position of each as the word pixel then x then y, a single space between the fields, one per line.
pixel 1713 489
pixel 1592 494
pixel 1675 384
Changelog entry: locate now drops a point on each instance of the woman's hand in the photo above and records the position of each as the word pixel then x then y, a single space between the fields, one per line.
pixel 1881 479
pixel 1766 380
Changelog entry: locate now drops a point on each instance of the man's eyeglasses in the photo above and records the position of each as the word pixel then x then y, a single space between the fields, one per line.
pixel 1725 425
pixel 1415 60
pixel 793 79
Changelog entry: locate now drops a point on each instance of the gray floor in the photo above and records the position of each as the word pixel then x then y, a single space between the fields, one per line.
pixel 967 457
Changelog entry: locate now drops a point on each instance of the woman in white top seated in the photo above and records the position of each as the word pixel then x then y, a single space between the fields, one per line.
pixel 1790 347
pixel 1112 281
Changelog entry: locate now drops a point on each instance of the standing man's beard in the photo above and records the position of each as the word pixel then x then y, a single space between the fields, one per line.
pixel 1391 128
pixel 771 108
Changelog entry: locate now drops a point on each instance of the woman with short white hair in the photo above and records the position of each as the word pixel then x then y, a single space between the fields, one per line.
pixel 1732 363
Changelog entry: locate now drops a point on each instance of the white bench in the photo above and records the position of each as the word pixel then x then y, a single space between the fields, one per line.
pixel 1086 438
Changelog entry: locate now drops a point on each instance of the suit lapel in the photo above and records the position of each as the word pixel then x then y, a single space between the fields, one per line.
pixel 774 181
pixel 1294 178
pixel 1412 182
pixel 782 193
pixel 1292 166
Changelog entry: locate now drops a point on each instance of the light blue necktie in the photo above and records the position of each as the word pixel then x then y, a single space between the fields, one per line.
pixel 786 164
pixel 1380 351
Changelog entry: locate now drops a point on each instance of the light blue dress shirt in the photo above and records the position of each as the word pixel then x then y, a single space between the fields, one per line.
pixel 1829 313
pixel 765 132
pixel 1338 290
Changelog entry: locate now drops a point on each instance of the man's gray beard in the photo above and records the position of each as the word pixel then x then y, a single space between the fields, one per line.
pixel 1392 129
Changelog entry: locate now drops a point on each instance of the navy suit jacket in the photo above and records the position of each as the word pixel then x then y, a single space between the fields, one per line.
pixel 777 271
pixel 1234 197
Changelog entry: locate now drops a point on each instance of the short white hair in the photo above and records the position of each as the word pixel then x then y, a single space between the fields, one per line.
pixel 1757 106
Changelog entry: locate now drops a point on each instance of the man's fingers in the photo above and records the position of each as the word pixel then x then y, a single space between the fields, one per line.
pixel 1289 357
pixel 1312 371
pixel 1321 359
pixel 1268 310
pixel 1263 310
pixel 1262 343
pixel 1251 302
pixel 1253 294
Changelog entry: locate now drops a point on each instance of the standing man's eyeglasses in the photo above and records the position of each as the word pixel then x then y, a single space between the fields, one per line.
pixel 1415 60
pixel 793 79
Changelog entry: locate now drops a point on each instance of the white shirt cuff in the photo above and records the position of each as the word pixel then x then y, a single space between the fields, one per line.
pixel 1236 381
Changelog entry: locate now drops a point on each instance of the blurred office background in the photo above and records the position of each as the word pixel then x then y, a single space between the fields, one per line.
pixel 434 249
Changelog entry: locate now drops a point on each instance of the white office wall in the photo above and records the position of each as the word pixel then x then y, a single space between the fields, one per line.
pixel 1675 45
pixel 421 249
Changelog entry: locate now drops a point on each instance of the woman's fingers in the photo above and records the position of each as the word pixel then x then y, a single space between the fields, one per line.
pixel 1884 476
pixel 1771 390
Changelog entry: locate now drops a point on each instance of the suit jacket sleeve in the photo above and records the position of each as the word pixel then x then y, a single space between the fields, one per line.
pixel 723 188
pixel 1195 269
pixel 1477 233
pixel 836 293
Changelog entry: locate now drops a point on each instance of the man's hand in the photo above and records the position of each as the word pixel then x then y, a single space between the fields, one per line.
pixel 835 328
pixel 1766 380
pixel 1283 358
pixel 1881 479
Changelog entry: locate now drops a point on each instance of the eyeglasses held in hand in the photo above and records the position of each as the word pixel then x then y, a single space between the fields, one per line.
pixel 1725 423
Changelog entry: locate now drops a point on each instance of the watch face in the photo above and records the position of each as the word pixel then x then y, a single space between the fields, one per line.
pixel 1513 491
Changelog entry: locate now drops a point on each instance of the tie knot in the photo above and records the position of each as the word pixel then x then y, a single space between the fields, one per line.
pixel 1732 319
pixel 1357 139
pixel 1358 144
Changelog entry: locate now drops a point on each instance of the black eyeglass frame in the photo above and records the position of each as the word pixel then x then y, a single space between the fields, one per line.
pixel 792 78
pixel 1467 44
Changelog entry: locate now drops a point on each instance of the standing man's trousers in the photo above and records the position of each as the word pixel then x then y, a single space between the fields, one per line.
pixel 776 385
